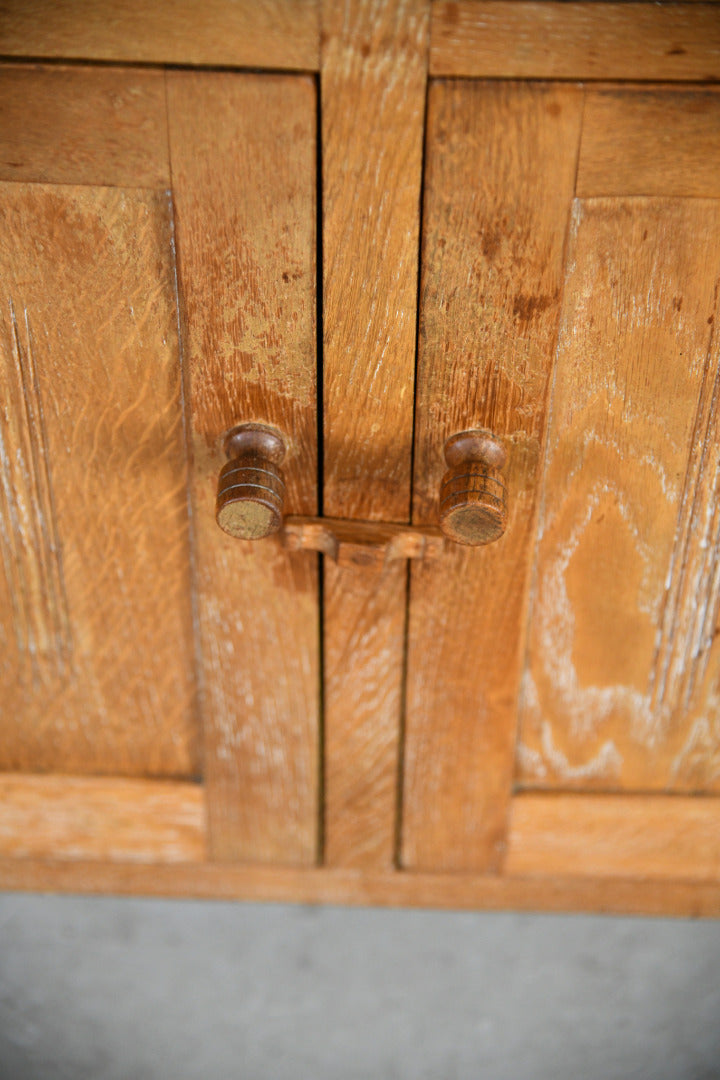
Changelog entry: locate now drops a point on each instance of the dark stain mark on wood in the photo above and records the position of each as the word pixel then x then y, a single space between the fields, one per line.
pixel 490 243
pixel 526 308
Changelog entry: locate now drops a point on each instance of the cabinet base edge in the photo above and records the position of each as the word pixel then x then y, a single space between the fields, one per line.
pixel 216 881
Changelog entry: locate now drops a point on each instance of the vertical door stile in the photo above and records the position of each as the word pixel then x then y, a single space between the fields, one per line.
pixel 373 80
pixel 243 168
pixel 500 173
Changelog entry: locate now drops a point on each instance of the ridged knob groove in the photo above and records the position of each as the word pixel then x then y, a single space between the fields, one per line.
pixel 473 497
pixel 251 485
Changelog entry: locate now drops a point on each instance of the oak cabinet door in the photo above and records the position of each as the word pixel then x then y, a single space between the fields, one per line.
pixel 570 270
pixel 157 257
pixel 543 706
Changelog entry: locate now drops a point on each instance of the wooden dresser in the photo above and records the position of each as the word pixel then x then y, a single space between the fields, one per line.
pixel 370 226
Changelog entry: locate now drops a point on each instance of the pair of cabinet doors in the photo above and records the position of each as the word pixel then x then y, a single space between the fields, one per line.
pixel 547 705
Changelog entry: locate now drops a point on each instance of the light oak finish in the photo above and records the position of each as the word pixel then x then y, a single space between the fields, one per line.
pixel 601 707
pixel 359 544
pixel 243 166
pixel 238 33
pixel 83 126
pixel 656 142
pixel 492 892
pixel 374 66
pixel 689 654
pixel 521 39
pixel 373 92
pixel 586 327
pixel 489 308
pixel 108 819
pixel 96 652
pixel 687 666
pixel 363 664
pixel 664 838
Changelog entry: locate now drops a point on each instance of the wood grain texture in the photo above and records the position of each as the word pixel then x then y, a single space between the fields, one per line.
pixel 239 33
pixel 670 838
pixel 82 126
pixel 96 656
pixel 650 142
pixel 362 543
pixel 492 270
pixel 628 513
pixel 520 39
pixel 71 817
pixel 636 896
pixel 374 69
pixel 686 678
pixel 243 162
pixel 363 664
pixel 373 91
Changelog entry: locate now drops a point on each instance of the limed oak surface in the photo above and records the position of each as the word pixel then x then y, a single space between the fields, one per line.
pixel 664 141
pixel 617 627
pixel 374 65
pixel 243 166
pixel 580 39
pixel 492 267
pixel 96 650
pixel 471 892
pixel 663 838
pixel 105 819
pixel 237 33
pixel 74 125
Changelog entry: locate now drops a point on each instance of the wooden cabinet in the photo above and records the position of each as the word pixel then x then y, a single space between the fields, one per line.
pixel 369 262
pixel 568 301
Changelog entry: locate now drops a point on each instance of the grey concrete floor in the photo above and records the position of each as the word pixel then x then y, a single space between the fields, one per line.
pixel 121 989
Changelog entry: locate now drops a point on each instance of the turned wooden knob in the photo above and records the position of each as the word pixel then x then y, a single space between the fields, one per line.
pixel 251 486
pixel 473 509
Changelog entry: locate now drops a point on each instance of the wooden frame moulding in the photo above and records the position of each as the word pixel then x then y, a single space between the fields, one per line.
pixel 460 892
pixel 275 34
pixel 657 854
pixel 525 39
pixel 579 39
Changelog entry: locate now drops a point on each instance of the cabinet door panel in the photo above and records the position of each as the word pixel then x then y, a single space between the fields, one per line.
pixel 96 664
pixel 612 632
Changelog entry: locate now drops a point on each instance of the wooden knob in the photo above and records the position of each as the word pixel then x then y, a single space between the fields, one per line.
pixel 251 486
pixel 473 509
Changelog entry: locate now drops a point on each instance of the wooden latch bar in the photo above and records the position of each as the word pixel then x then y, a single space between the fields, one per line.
pixel 362 543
